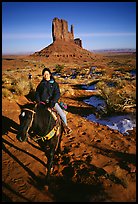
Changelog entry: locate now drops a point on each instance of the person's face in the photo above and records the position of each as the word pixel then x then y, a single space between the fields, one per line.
pixel 46 75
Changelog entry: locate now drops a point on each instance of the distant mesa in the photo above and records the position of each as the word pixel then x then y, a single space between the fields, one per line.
pixel 64 45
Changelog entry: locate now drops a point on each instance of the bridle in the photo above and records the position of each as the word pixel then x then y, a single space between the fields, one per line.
pixel 33 113
pixel 51 133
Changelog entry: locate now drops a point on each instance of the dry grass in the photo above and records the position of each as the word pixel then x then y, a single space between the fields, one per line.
pixel 113 68
pixel 15 86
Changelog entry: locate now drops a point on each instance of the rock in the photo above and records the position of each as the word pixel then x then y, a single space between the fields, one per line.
pixel 64 47
pixel 60 30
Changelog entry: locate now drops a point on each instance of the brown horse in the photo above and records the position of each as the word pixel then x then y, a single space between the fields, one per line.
pixel 44 126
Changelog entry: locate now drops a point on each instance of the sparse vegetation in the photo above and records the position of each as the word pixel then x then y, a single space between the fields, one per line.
pixel 98 157
pixel 59 68
pixel 122 94
pixel 18 86
pixel 6 93
pixel 118 98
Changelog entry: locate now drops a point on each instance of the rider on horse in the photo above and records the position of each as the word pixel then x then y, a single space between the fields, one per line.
pixel 48 92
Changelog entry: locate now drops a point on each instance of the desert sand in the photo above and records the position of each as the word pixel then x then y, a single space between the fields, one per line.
pixel 97 164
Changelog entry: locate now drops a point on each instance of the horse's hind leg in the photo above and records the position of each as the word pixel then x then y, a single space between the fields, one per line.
pixel 58 149
pixel 50 163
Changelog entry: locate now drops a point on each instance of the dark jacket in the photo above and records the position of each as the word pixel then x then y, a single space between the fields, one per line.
pixel 48 92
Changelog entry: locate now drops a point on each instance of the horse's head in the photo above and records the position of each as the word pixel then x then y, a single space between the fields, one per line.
pixel 26 118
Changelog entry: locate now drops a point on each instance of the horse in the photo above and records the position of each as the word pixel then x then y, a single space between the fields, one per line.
pixel 44 126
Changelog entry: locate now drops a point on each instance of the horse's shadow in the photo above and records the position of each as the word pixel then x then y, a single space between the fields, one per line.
pixel 66 187
pixel 75 184
pixel 8 125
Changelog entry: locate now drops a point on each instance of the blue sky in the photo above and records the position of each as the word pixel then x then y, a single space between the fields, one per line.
pixel 27 26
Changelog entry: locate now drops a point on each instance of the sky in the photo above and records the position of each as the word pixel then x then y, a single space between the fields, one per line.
pixel 27 26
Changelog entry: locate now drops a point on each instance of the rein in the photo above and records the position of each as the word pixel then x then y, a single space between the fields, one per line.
pixel 29 110
pixel 33 112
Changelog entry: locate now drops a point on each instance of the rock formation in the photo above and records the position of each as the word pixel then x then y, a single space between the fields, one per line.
pixel 78 42
pixel 64 46
pixel 60 30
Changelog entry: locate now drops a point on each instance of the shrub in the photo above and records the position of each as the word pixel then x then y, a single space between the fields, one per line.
pixel 21 87
pixel 59 68
pixel 6 93
pixel 117 99
pixel 18 86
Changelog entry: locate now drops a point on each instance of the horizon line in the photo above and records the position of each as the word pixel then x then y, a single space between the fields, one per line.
pixel 101 49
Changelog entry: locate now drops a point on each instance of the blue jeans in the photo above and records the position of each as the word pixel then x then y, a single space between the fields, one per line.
pixel 61 113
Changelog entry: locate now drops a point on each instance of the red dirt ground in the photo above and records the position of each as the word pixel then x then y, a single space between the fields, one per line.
pixel 96 164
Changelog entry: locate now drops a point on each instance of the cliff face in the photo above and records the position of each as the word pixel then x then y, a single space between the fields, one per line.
pixel 60 30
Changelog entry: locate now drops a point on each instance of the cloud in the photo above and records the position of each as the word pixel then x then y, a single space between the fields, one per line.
pixel 44 35
pixel 105 34
pixel 11 36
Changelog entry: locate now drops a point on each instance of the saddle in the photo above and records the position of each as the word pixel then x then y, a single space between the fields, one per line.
pixel 56 128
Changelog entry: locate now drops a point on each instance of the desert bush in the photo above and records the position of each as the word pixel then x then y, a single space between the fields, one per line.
pixel 21 87
pixel 59 68
pixel 6 93
pixel 18 86
pixel 7 80
pixel 116 64
pixel 117 98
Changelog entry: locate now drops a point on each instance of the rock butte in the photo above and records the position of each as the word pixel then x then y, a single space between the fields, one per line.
pixel 64 45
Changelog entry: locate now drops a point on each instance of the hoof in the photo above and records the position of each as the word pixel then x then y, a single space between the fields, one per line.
pixel 20 139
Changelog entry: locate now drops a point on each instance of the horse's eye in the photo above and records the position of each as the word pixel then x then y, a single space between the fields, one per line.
pixel 23 114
